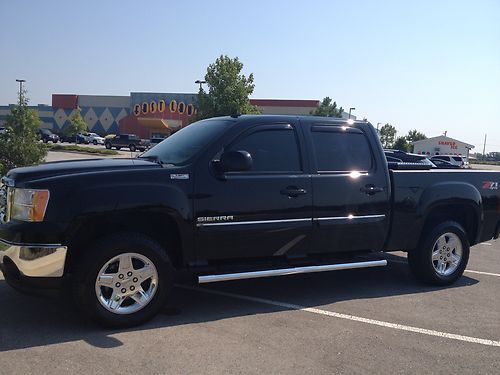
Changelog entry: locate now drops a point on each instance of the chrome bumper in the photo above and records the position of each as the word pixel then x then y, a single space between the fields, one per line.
pixel 34 260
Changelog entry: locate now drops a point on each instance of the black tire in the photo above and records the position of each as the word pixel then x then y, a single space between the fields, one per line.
pixel 107 145
pixel 118 148
pixel 44 140
pixel 94 142
pixel 98 255
pixel 131 148
pixel 421 259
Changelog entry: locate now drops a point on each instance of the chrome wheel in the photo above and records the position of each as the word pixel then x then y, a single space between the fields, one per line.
pixel 126 283
pixel 447 254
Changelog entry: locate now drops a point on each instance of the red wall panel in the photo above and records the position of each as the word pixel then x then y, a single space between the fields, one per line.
pixel 66 101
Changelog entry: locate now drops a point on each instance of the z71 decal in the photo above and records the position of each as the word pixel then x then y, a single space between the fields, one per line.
pixel 490 185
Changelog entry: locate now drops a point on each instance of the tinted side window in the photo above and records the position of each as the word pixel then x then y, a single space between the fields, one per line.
pixel 339 151
pixel 272 150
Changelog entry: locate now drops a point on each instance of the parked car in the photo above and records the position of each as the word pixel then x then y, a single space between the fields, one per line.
pixel 397 156
pixel 441 164
pixel 66 138
pixel 95 138
pixel 232 198
pixel 453 159
pixel 47 136
pixel 130 141
pixel 82 138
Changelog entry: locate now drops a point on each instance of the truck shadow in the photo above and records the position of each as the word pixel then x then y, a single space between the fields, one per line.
pixel 27 322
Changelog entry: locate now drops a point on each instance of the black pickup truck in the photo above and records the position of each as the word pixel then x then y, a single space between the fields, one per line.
pixel 130 141
pixel 231 198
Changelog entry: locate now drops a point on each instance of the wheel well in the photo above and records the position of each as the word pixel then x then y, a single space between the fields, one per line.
pixel 159 226
pixel 464 215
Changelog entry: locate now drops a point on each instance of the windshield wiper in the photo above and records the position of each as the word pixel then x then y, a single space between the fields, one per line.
pixel 151 158
pixel 156 159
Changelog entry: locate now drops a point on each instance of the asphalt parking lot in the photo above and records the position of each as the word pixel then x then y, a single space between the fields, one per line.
pixel 374 321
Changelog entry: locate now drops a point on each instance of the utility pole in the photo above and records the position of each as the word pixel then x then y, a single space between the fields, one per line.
pixel 484 147
pixel 21 81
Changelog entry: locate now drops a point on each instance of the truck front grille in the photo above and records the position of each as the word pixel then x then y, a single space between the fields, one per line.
pixel 4 201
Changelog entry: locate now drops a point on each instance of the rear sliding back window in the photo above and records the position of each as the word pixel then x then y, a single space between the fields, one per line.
pixel 341 149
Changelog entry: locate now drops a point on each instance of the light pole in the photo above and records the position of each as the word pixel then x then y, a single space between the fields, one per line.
pixel 351 109
pixel 200 82
pixel 378 123
pixel 21 81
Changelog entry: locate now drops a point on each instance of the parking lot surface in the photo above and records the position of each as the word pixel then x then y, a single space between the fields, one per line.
pixel 371 321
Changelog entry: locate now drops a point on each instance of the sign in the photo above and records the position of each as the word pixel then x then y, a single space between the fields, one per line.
pixel 137 109
pixel 161 106
pixel 453 145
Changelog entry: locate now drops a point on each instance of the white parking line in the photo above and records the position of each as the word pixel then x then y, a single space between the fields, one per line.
pixel 484 273
pixel 380 323
pixel 470 271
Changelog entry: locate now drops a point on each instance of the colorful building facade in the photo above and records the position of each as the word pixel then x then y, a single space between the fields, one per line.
pixel 148 115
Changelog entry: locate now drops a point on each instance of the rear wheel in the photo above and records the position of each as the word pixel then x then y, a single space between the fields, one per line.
pixel 124 280
pixel 442 255
pixel 107 145
pixel 132 147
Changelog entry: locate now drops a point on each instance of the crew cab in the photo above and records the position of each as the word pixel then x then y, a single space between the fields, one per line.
pixel 231 198
pixel 131 141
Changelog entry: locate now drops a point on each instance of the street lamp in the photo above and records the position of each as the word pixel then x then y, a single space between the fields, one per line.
pixel 21 81
pixel 200 82
pixel 351 109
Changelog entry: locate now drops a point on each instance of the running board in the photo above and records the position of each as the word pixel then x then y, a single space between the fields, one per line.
pixel 289 271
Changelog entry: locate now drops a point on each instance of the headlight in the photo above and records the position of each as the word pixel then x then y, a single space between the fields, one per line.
pixel 29 204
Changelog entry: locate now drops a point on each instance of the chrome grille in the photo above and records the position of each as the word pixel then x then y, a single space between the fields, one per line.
pixel 5 184
pixel 3 202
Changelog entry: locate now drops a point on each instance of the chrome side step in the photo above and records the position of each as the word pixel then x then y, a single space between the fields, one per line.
pixel 289 271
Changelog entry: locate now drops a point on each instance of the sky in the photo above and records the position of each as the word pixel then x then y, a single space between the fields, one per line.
pixel 433 66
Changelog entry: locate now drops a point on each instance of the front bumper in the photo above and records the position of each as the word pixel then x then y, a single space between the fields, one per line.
pixel 34 260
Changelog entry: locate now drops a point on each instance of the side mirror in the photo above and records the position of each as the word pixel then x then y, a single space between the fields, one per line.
pixel 234 161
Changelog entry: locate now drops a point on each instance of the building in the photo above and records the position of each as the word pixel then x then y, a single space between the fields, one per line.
pixel 442 145
pixel 146 114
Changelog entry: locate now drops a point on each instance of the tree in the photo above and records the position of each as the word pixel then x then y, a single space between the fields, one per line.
pixel 328 109
pixel 401 144
pixel 413 136
pixel 77 124
pixel 228 90
pixel 387 135
pixel 20 145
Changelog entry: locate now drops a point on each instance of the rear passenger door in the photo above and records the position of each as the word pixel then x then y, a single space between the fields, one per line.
pixel 351 192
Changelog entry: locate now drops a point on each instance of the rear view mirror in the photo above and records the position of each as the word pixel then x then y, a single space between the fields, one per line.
pixel 234 161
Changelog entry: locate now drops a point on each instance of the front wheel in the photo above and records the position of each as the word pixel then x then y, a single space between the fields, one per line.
pixel 124 280
pixel 442 255
pixel 107 145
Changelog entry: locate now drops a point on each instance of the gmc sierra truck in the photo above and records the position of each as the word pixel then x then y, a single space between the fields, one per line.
pixel 232 198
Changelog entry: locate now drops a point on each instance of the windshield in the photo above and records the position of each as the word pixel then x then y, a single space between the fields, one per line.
pixel 183 145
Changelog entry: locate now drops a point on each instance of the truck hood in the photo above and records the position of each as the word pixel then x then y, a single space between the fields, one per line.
pixel 60 168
